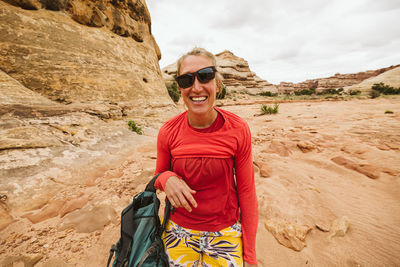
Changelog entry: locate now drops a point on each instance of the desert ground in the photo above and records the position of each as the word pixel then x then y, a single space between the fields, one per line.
pixel 327 179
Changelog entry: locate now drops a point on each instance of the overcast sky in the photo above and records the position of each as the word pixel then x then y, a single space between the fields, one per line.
pixel 283 40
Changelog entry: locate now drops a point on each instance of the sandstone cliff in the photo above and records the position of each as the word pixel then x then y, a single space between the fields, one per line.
pixel 67 90
pixel 236 72
pixel 48 52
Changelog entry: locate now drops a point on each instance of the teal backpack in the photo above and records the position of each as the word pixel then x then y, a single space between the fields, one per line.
pixel 140 244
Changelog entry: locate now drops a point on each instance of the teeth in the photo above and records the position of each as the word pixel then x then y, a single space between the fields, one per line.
pixel 201 98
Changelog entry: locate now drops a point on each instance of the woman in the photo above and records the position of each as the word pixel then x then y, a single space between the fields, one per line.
pixel 204 155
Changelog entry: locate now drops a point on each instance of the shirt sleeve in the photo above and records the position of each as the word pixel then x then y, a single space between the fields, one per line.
pixel 248 203
pixel 163 162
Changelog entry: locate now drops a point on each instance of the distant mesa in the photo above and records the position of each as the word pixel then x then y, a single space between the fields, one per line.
pixel 238 76
pixel 336 81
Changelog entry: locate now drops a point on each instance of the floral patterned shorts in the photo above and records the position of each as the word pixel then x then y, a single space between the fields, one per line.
pixel 187 248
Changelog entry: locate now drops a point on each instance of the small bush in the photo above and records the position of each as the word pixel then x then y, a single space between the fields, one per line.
pixel 265 109
pixel 375 94
pixel 267 93
pixel 310 91
pixel 354 92
pixel 174 92
pixel 133 127
pixel 385 89
pixel 389 112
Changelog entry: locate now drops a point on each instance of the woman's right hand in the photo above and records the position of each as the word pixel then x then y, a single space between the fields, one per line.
pixel 179 193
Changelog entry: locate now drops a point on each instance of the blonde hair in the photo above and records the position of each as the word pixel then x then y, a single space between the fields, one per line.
pixel 198 51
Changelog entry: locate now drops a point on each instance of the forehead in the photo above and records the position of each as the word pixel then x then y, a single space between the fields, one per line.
pixel 194 63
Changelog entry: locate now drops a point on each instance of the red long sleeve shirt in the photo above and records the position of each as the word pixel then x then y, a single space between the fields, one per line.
pixel 208 162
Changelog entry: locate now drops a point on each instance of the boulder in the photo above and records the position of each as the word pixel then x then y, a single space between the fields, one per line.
pixel 288 234
pixel 339 227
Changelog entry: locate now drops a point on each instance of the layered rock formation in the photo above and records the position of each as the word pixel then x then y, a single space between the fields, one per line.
pixel 236 72
pixel 66 93
pixel 333 82
pixel 51 54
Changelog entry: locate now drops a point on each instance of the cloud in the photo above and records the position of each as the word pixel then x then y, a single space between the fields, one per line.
pixel 283 40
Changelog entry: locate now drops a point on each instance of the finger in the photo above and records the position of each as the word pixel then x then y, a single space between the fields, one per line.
pixel 188 188
pixel 184 202
pixel 172 202
pixel 190 198
pixel 173 199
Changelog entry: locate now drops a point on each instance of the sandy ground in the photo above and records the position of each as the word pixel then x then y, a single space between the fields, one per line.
pixel 316 162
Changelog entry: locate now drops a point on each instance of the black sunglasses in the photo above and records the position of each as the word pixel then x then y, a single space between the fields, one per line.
pixel 203 75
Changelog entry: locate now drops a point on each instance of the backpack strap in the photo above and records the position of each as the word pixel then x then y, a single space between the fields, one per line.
pixel 168 207
pixel 112 251
pixel 150 186
pixel 167 212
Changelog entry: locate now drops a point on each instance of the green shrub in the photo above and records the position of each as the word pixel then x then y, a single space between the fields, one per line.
pixel 133 127
pixel 174 92
pixel 222 92
pixel 265 109
pixel 334 91
pixel 389 112
pixel 385 89
pixel 310 91
pixel 354 92
pixel 267 93
pixel 375 94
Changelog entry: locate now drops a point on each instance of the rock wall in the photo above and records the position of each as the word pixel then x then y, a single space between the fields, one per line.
pixel 333 82
pixel 67 91
pixel 48 52
pixel 236 72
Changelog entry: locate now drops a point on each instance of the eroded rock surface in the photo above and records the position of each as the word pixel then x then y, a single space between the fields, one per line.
pixel 78 63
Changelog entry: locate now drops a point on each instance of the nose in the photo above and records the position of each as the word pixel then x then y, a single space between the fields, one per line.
pixel 196 84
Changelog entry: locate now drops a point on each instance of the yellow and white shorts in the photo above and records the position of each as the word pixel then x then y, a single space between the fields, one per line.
pixel 187 248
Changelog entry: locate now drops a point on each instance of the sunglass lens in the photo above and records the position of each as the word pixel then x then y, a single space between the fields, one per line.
pixel 205 75
pixel 185 81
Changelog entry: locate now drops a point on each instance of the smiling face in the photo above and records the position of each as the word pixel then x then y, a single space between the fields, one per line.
pixel 200 97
